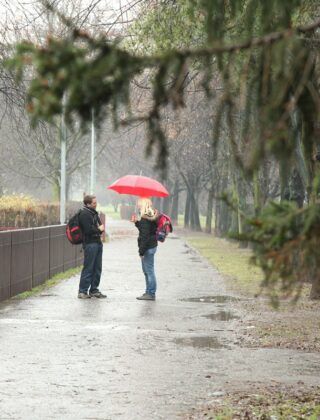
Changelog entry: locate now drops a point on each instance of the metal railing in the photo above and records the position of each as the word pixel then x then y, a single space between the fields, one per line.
pixel 29 257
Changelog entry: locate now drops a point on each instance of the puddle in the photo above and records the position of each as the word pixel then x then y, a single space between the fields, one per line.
pixel 222 316
pixel 212 299
pixel 200 342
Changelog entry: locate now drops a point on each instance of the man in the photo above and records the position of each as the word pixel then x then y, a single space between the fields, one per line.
pixel 92 229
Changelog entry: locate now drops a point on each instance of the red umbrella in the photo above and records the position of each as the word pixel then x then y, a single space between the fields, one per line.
pixel 139 185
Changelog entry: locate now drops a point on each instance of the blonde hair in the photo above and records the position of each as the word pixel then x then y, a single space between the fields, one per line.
pixel 145 207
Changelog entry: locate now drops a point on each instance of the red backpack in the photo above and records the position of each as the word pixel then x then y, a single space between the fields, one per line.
pixel 164 227
pixel 73 230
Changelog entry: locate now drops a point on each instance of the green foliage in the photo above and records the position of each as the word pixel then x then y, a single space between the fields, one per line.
pixel 286 246
pixel 75 77
pixel 263 54
pixel 80 74
pixel 167 27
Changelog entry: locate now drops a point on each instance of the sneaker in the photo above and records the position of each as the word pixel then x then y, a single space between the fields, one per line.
pixel 98 295
pixel 146 296
pixel 82 295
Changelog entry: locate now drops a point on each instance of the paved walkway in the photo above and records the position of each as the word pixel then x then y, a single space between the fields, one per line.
pixel 65 358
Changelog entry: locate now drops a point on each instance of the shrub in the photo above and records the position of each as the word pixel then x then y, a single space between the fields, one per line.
pixel 20 211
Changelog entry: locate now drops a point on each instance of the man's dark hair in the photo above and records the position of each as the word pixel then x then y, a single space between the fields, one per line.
pixel 87 199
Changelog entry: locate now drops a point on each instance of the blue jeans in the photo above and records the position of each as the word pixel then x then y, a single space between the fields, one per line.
pixel 148 271
pixel 92 267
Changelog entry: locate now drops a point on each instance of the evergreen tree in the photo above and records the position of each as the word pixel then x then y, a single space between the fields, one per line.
pixel 265 55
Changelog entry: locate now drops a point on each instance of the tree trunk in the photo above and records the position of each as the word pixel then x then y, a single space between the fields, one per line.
pixel 297 189
pixel 68 187
pixel 315 288
pixel 223 219
pixel 300 157
pixel 217 218
pixel 166 205
pixel 1 186
pixel 192 203
pixel 234 215
pixel 195 218
pixel 284 172
pixel 56 191
pixel 222 212
pixel 175 204
pixel 236 184
pixel 187 211
pixel 209 210
pixel 256 193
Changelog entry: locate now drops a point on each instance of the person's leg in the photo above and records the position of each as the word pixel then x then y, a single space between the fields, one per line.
pixel 87 270
pixel 149 269
pixel 97 268
pixel 145 274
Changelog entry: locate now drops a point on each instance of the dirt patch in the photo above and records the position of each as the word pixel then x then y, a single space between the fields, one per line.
pixel 295 327
pixel 275 402
pixel 291 327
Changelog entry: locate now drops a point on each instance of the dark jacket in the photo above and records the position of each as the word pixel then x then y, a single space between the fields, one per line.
pixel 89 221
pixel 147 234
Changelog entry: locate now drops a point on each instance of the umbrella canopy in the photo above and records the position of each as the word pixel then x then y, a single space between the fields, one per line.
pixel 139 185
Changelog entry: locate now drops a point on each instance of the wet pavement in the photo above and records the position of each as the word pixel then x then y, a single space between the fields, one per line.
pixel 119 358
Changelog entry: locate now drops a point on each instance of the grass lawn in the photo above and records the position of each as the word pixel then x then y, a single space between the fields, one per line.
pixel 49 283
pixel 202 221
pixel 230 260
pixel 109 212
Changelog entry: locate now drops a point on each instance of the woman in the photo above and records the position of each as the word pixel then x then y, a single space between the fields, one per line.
pixel 146 222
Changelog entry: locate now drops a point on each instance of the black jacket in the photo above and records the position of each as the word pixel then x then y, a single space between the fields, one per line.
pixel 89 221
pixel 147 235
